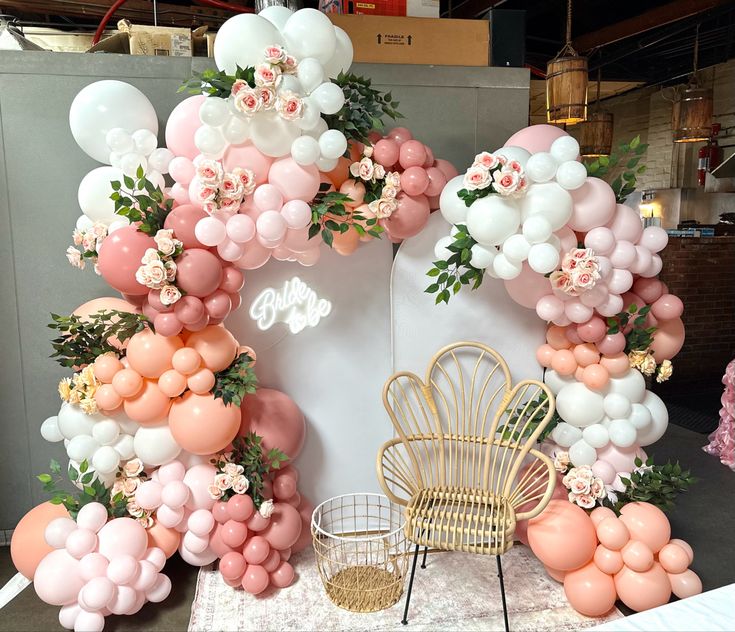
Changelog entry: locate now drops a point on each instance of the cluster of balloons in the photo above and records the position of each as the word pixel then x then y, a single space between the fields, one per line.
pixel 601 557
pixel 98 568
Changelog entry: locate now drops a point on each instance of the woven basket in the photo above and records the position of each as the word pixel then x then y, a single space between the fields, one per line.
pixel 361 550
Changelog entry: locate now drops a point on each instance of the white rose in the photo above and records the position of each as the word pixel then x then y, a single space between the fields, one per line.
pixel 215 492
pixel 266 508
pixel 151 254
pixel 165 241
pixel 477 177
pixel 223 481
pixel 389 192
pixel 366 169
pixel 355 169
pixel 169 294
pixel 240 485
pixel 233 469
pixel 379 172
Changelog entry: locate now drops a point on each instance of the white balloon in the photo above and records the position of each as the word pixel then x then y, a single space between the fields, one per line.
pixel 332 144
pixel 129 163
pixel 326 164
pixel 639 416
pixel 452 208
pixel 124 447
pixel 549 200
pixel 50 430
pixel 491 220
pixel 632 385
pixel 145 141
pixel 305 150
pixel 105 105
pixel 214 111
pixel 582 453
pixel 311 118
pixel 617 406
pixel 106 459
pixel 209 140
pixel 482 257
pixel 94 194
pixel 105 432
pixel 237 130
pixel 565 148
pixel 343 55
pixel 440 249
pixel 516 247
pixel 596 435
pixel 565 434
pixel 155 445
pixel 659 419
pixel 276 15
pixel 514 153
pixel 571 175
pixel 242 40
pixel 273 135
pixel 72 421
pixel 119 140
pixel 309 33
pixel 84 223
pixel 82 447
pixel 310 73
pixel 557 382
pixel 536 229
pixel 329 97
pixel 622 433
pixel 543 258
pixel 555 241
pixel 579 406
pixel 541 167
pixel 160 159
pixel 506 268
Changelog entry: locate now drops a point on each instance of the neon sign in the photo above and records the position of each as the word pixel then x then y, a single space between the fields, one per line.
pixel 295 304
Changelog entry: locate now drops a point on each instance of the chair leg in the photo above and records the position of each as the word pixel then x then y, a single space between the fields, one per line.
pixel 502 593
pixel 423 561
pixel 404 621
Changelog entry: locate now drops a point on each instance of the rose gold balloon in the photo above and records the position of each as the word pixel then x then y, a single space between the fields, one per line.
pixel 643 591
pixel 590 591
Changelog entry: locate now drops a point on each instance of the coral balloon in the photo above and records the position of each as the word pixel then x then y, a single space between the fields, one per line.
pixel 274 416
pixel 166 539
pixel 28 545
pixel 686 584
pixel 612 533
pixel 608 561
pixel 216 346
pixel 590 591
pixel 150 354
pixel 643 591
pixel 647 523
pixel 149 406
pixel 192 413
pixel 562 536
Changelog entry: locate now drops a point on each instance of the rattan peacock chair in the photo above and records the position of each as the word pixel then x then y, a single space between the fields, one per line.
pixel 463 464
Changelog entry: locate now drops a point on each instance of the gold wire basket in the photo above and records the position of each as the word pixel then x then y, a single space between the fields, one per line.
pixel 361 550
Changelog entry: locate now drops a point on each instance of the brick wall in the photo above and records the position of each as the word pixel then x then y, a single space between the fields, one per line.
pixel 702 273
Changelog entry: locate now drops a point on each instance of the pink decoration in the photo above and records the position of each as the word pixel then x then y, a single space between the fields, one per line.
pixel 722 440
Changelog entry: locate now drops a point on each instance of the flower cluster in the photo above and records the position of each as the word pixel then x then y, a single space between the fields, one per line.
pixel 384 186
pixel 89 239
pixel 580 271
pixel 230 480
pixel 129 478
pixel 250 97
pixel 585 489
pixel 562 461
pixel 220 190
pixel 80 390
pixel 496 173
pixel 158 269
pixel 643 360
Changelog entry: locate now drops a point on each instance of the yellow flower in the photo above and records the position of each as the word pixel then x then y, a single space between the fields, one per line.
pixel 88 405
pixel 665 371
pixel 648 366
pixel 637 358
pixel 87 376
pixel 74 396
pixel 65 389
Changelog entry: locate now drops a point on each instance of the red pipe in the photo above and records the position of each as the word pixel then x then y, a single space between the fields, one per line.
pixel 217 4
pixel 535 71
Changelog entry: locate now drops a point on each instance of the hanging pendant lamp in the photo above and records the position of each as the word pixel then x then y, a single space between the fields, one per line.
pixel 691 116
pixel 566 83
pixel 596 133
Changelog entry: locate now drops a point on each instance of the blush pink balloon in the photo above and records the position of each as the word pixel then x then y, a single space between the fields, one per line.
pixel 120 257
pixel 122 536
pixel 297 214
pixel 535 138
pixel 181 126
pixel 528 288
pixel 577 312
pixel 271 226
pixel 294 181
pixel 654 238
pixel 667 306
pixel 605 471
pixel 179 193
pixel 274 416
pixel 568 239
pixel 228 250
pixel 616 365
pixel 414 180
pixel 409 218
pixel 240 228
pixel 594 205
pixel 437 181
pixel 182 170
pixel 247 156
pixel 623 255
pixel 622 459
pixel 620 281
pixel 400 134
pixel 611 344
pixel 412 154
pixel 198 272
pixel 601 240
pixel 254 257
pixel 268 198
pixel 183 220
pixel 57 580
pixel 210 231
pixel 593 330
pixel 626 224
pixel 548 307
pixel 668 339
pixel 447 168
pixel 386 152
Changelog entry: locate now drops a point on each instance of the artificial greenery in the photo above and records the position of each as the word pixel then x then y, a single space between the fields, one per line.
pixel 82 340
pixel 92 491
pixel 451 274
pixel 469 197
pixel 330 214
pixel 217 84
pixel 363 110
pixel 655 484
pixel 639 338
pixel 621 168
pixel 509 429
pixel 142 203
pixel 248 452
pixel 232 384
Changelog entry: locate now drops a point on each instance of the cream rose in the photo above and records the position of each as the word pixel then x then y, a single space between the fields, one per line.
pixel 247 101
pixel 389 192
pixel 665 371
pixel 648 366
pixel 77 236
pixel 134 509
pixel 289 64
pixel 165 241
pixel 366 169
pixel 506 182
pixel 75 257
pixel 289 105
pixel 393 178
pixel 209 172
pixel 267 75
pixel 560 281
pixel 223 481
pixel 150 254
pixel 367 151
pixel 355 169
pixel 584 500
pixel 383 208
pixel 240 485
pixel 486 159
pixel 231 186
pixel 233 469
pixel 477 178
pixel 130 485
pixel 266 508
pixel 247 179
pixel 378 171
pixel 207 193
pixel 215 492
pixel 169 295
pixel 133 467
pixel 210 208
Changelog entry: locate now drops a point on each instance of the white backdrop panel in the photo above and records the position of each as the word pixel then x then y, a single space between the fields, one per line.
pixel 333 371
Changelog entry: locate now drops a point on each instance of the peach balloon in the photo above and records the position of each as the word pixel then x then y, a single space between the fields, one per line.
pixel 150 354
pixel 598 514
pixel 105 367
pixel 28 545
pixel 215 345
pixel 354 190
pixel 127 383
pixel 607 560
pixel 595 377
pixel 637 556
pixel 149 407
pixel 617 365
pixel 647 523
pixel 164 538
pixel 668 339
pixel 346 243
pixel 556 336
pixel 563 362
pixel 586 354
pixel 643 591
pixel 612 533
pixel 249 351
pixel 107 397
pixel 578 373
pixel 686 584
pixel 203 424
pixel 685 546
pixel 555 574
pixel 673 558
pixel 275 417
pixel 562 536
pixel 590 591
pixel 544 355
pixel 341 172
pixel 172 383
pixel 186 360
pixel 201 382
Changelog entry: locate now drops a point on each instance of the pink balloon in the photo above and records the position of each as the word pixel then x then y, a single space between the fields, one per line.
pixel 297 214
pixel 271 226
pixel 122 536
pixel 210 231
pixel 620 281
pixel 623 255
pixel 622 459
pixel 667 306
pixel 198 478
pixel 567 237
pixel 294 181
pixel 593 330
pixel 447 168
pixel 528 288
pixel 412 154
pixel 611 344
pixel 179 193
pixel 256 550
pixel 535 138
pixel 308 257
pixel 386 152
pixel 626 224
pixel 414 180
pixel 437 181
pixel 167 324
pixel 654 238
pixel 642 260
pixel 182 170
pixel 612 306
pixel 298 240
pixel 409 218
pixel 268 198
pixel 601 240
pixel 232 280
pixel 274 416
pixel 400 134
pixel 228 250
pixel 120 257
pixel 232 565
pixel 255 580
pixel 285 526
pixel 181 126
pixel 577 312
pixel 548 307
pixel 57 580
pixel 247 156
pixel 189 309
pixel 283 576
pixel 605 471
pixel 199 272
pixel 255 256
pixel 594 205
pixel 183 220
pixel 240 228
pixel 218 304
pixel 668 339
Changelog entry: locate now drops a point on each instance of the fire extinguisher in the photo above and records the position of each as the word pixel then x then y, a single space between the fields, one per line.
pixel 709 156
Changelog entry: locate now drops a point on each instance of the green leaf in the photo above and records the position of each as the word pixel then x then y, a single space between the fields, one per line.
pixel 604 160
pixel 635 142
pixel 129 182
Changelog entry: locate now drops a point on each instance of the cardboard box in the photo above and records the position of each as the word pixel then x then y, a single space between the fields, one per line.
pixel 398 40
pixel 147 40
pixel 403 8
pixel 203 42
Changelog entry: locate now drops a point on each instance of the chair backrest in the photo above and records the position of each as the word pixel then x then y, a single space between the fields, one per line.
pixel 464 425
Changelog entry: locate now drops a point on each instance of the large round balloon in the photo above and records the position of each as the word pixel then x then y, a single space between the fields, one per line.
pixel 535 138
pixel 275 417
pixel 120 258
pixel 28 545
pixel 94 192
pixel 105 105
pixel 181 126
pixel 203 424
pixel 242 40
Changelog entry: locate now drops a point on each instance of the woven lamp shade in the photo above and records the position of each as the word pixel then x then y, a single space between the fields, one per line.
pixel 566 90
pixel 691 116
pixel 596 134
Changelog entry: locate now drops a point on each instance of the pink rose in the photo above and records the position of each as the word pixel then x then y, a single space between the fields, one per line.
pixel 89 242
pixel 75 257
pixel 560 280
pixel 230 204
pixel 289 105
pixel 267 97
pixel 487 160
pixel 289 65
pixel 579 486
pixel 266 75
pixel 165 242
pixel 514 165
pixel 247 179
pixel 366 169
pixel 584 280
pixel 207 193
pixel 477 178
pixel 247 101
pixel 585 501
pixel 209 172
pixel 210 208
pixel 506 182
pixel 231 186
pixel 169 294
pixel 239 84
pixel 597 488
pixel 99 230
pixel 275 54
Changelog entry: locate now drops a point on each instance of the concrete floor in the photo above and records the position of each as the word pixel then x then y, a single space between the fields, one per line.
pixel 703 517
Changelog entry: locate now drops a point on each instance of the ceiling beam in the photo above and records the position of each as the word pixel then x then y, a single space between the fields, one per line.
pixel 660 16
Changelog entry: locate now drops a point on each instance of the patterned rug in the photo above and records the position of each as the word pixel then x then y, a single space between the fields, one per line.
pixel 454 591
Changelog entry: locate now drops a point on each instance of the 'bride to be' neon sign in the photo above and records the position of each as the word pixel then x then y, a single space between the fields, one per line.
pixel 295 304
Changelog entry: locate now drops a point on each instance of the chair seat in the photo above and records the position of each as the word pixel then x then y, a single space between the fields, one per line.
pixel 460 519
